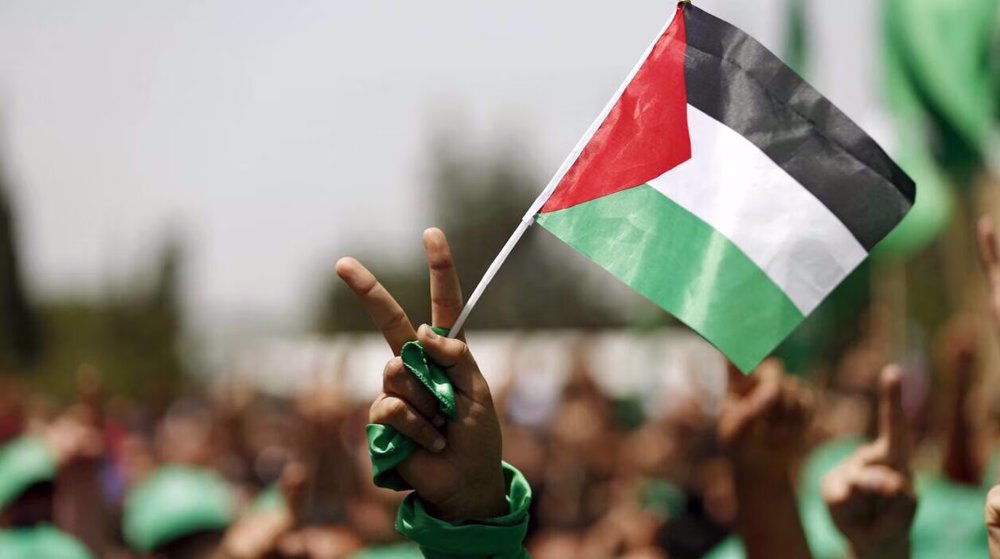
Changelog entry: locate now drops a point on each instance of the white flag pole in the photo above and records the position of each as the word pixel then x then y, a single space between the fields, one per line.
pixel 488 276
pixel 529 216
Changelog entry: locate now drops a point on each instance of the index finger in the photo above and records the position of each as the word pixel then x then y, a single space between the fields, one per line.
pixel 446 292
pixel 385 312
pixel 892 428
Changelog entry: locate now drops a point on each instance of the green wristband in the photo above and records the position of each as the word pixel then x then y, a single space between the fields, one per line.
pixel 387 447
pixel 500 538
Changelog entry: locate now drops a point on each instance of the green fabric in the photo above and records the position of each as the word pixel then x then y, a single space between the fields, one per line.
pixel 395 551
pixel 942 82
pixel 661 498
pixel 24 462
pixel 683 265
pixel 730 548
pixel 931 211
pixel 941 73
pixel 173 502
pixel 40 542
pixel 387 447
pixel 497 538
pixel 415 360
pixel 949 521
pixel 796 52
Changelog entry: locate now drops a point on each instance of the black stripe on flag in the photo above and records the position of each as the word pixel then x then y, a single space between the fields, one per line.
pixel 735 80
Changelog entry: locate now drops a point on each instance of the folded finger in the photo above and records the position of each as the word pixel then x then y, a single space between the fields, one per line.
pixel 399 414
pixel 453 356
pixel 400 382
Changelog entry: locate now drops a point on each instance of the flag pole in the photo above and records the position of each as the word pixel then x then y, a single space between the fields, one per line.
pixel 490 273
pixel 529 217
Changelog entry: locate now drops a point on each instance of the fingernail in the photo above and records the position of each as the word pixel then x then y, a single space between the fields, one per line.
pixel 438 445
pixel 438 421
pixel 429 332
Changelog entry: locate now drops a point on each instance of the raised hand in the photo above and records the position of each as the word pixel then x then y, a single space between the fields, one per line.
pixel 870 495
pixel 765 418
pixel 259 533
pixel 456 470
pixel 762 426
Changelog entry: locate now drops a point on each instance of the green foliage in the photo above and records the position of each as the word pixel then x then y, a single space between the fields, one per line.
pixel 132 338
pixel 20 343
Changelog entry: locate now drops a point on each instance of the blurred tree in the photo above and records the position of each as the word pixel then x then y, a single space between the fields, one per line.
pixel 133 337
pixel 20 343
pixel 478 200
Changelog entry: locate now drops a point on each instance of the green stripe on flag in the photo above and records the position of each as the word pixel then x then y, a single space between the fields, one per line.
pixel 684 265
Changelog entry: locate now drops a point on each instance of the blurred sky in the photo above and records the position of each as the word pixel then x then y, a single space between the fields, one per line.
pixel 274 134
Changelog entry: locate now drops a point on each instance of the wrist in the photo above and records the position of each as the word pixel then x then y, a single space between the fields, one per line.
pixel 896 549
pixel 501 537
pixel 768 481
pixel 485 498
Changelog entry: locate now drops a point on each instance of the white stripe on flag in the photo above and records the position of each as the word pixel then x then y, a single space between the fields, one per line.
pixel 733 186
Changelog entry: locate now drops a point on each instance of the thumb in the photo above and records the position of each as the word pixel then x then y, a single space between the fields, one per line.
pixel 892 428
pixel 453 356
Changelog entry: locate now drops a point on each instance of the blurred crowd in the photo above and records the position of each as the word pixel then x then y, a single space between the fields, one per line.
pixel 869 457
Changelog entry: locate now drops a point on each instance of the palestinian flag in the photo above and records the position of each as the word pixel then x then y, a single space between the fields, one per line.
pixel 725 188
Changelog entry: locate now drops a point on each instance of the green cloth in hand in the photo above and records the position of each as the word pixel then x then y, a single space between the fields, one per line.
pixel 500 538
pixel 387 446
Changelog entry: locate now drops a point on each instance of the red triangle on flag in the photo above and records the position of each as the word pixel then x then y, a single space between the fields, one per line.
pixel 644 135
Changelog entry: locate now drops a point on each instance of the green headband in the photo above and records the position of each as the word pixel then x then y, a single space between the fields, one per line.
pixel 24 462
pixel 176 501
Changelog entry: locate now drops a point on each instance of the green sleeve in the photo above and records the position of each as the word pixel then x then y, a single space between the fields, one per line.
pixel 495 538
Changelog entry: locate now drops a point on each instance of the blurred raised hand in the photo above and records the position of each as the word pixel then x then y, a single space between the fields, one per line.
pixel 763 425
pixel 76 439
pixel 456 470
pixel 958 355
pixel 260 533
pixel 870 495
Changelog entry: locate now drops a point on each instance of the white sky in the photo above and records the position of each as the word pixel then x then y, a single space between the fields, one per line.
pixel 276 132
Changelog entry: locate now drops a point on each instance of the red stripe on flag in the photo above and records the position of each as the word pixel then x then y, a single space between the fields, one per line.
pixel 644 135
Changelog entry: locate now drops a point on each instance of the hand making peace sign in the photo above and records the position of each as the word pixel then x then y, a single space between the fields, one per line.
pixel 456 470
